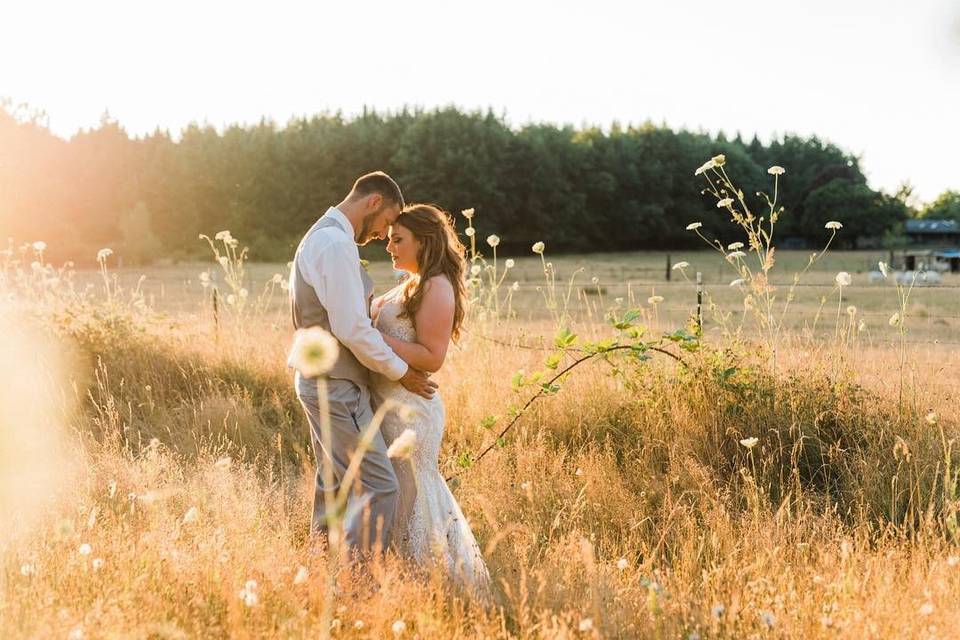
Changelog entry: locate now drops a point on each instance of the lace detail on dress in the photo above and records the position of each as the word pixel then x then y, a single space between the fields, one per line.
pixel 429 525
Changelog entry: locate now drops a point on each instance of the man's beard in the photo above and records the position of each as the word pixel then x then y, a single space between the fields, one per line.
pixel 365 234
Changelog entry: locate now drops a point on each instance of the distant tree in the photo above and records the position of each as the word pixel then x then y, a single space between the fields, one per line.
pixel 945 207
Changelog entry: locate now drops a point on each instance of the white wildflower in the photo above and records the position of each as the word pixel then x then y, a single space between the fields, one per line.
pixel 515 286
pixel 953 561
pixel 726 202
pixel 277 279
pixel 844 279
pixel 776 170
pixel 683 264
pixel 932 418
pixel 851 310
pixel 622 564
pixel 204 278
pixel 468 214
pixel 314 352
pixel 97 564
pixel 402 447
pixel 103 254
pixel 243 293
pixel 693 226
pixel 894 319
pixel 358 625
pixel 736 255
pixel 538 247
pixel 85 549
pixel 75 634
pixel 302 575
pixel 470 232
pixel 493 240
pixel 224 236
pixel 737 282
pixel 525 485
pixel 510 263
pixel 27 569
pixel 399 627
pixel 39 246
pixel 248 595
pixel 706 166
pixel 719 159
pixel 733 246
pixel 224 261
pixel 749 443
pixel 768 619
pixel 834 225
pixel 655 299
pixel 586 625
pixel 862 326
pixel 223 463
pixel 717 610
pixel 475 270
pixel 883 268
pixel 191 515
pixel 926 609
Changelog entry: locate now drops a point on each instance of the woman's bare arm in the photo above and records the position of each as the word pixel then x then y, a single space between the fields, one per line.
pixel 434 324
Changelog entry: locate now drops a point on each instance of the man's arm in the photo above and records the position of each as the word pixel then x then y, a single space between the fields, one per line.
pixel 333 273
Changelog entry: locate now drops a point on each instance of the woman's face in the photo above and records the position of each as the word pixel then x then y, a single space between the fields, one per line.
pixel 403 248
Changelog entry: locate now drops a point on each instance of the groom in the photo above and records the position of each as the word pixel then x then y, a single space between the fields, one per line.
pixel 329 288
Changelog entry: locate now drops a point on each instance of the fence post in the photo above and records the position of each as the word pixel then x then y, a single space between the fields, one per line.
pixel 699 302
pixel 668 267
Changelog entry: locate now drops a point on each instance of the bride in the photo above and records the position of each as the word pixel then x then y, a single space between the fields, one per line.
pixel 418 318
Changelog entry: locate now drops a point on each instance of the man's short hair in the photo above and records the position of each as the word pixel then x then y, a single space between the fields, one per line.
pixel 378 182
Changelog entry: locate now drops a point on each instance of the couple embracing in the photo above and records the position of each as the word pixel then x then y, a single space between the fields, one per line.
pixel 389 346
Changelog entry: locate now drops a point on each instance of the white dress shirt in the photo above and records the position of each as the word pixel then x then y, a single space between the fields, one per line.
pixel 330 262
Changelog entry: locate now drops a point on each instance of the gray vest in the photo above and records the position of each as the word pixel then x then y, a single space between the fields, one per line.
pixel 307 311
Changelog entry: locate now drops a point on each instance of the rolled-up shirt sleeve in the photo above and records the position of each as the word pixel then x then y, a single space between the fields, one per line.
pixel 333 272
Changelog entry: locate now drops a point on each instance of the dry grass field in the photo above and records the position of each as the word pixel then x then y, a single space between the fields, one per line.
pixel 155 468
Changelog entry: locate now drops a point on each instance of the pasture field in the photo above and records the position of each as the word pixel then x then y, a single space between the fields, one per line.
pixel 155 467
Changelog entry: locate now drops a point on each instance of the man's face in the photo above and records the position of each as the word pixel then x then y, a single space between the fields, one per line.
pixel 376 223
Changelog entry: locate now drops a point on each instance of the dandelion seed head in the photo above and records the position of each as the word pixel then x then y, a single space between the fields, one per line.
pixel 402 448
pixel 314 352
pixel 493 240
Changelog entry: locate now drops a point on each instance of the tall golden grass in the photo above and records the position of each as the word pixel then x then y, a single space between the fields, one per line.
pixel 157 482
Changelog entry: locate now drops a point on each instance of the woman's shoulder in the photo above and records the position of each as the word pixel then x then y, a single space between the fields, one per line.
pixel 438 285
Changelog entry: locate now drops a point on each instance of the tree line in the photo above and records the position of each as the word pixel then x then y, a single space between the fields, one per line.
pixel 575 188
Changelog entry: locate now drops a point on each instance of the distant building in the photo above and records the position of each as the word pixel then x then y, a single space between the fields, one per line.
pixel 938 233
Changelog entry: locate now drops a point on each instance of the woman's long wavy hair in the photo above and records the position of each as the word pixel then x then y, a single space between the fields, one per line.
pixel 440 253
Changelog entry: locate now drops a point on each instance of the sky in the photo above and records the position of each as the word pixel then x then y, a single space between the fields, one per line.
pixel 880 79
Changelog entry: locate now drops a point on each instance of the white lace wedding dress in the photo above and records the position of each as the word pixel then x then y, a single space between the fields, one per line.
pixel 429 525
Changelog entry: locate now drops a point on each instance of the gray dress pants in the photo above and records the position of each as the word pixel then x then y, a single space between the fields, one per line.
pixel 373 500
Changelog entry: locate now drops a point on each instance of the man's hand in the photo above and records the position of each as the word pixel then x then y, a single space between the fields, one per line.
pixel 416 381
